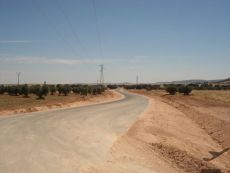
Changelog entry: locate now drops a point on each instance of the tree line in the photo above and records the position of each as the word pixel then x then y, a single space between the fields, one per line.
pixel 142 86
pixel 187 89
pixel 43 90
pixel 171 89
pixel 181 88
pixel 204 86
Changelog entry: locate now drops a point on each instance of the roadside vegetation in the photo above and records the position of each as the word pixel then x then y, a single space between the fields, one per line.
pixel 41 91
pixel 186 90
pixel 142 86
pixel 172 89
pixel 30 98
pixel 112 86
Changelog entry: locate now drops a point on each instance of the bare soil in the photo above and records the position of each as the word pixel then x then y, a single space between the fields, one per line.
pixel 175 134
pixel 10 105
pixel 209 109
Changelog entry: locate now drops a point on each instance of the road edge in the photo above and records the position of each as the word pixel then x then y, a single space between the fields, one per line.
pixel 120 96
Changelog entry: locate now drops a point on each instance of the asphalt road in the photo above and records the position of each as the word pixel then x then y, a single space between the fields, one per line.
pixel 66 140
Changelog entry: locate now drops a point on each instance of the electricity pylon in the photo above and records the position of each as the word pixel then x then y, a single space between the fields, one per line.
pixel 18 75
pixel 101 74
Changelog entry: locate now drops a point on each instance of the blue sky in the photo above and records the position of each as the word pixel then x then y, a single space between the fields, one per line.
pixel 63 41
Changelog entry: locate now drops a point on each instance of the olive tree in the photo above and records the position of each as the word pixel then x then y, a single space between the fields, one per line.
pixel 52 89
pixel 40 91
pixel 2 89
pixel 25 90
pixel 171 89
pixel 66 89
pixel 186 90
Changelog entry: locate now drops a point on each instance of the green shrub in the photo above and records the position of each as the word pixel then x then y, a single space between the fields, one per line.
pixel 171 89
pixel 141 86
pixel 40 91
pixel 13 90
pixel 84 90
pixel 2 89
pixel 44 90
pixel 25 90
pixel 66 89
pixel 186 90
pixel 59 88
pixel 88 89
pixel 36 89
pixel 76 89
pixel 114 86
pixel 52 89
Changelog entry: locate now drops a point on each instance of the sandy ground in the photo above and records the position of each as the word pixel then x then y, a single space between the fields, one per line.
pixel 107 96
pixel 175 134
pixel 65 140
pixel 171 138
pixel 209 109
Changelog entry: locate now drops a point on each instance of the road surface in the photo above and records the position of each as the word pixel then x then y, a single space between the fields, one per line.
pixel 66 140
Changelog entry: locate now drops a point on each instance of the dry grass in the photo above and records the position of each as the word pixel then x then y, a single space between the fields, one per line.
pixel 212 97
pixel 209 109
pixel 19 102
pixel 197 97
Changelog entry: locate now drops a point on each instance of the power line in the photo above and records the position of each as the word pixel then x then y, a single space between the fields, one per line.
pixel 55 29
pixel 97 28
pixel 73 31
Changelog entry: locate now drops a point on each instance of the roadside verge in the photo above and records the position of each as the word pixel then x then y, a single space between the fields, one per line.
pixel 163 140
pixel 108 96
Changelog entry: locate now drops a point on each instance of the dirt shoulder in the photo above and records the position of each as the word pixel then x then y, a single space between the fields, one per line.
pixel 10 105
pixel 209 109
pixel 166 139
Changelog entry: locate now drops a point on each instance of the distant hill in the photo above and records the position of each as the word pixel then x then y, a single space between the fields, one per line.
pixel 223 81
pixel 193 81
pixel 198 81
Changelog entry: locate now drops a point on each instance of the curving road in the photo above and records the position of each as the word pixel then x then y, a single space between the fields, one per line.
pixel 67 140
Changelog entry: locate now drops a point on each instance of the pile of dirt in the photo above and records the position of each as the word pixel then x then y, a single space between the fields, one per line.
pixel 182 159
pixel 217 128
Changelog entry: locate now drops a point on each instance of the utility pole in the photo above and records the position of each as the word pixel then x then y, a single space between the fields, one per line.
pixel 137 80
pixel 101 74
pixel 18 75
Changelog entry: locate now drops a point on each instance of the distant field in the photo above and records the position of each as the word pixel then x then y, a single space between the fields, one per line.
pixel 18 102
pixel 30 104
pixel 212 97
pixel 197 97
pixel 208 108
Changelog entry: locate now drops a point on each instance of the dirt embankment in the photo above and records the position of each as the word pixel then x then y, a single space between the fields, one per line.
pixel 209 109
pixel 14 105
pixel 166 139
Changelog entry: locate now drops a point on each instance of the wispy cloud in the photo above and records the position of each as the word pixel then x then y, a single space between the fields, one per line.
pixel 69 61
pixel 17 41
pixel 46 60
